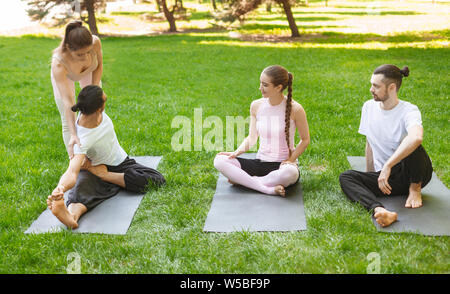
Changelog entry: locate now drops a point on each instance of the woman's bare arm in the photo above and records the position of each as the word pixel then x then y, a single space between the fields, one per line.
pixel 68 98
pixel 98 72
pixel 303 129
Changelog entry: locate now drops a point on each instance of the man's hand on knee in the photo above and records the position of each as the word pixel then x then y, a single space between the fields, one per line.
pixel 383 178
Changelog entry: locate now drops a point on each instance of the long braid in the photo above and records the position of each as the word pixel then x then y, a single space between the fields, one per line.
pixel 287 118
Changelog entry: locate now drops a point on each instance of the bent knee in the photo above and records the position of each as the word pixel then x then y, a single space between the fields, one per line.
pixel 219 161
pixel 290 173
pixel 348 174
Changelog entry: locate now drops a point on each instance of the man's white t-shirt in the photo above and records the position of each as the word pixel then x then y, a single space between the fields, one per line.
pixel 385 129
pixel 100 144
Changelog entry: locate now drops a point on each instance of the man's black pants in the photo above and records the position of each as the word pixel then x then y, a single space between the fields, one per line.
pixel 363 187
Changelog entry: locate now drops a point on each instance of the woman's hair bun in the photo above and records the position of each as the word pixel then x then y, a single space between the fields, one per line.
pixel 75 108
pixel 405 71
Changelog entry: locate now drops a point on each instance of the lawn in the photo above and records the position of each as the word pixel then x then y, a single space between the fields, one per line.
pixel 149 81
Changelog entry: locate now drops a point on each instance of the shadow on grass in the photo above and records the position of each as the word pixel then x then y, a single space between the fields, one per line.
pixel 370 11
pixel 257 26
pixel 298 19
pixel 297 15
pixel 319 38
pixel 191 15
pixel 345 38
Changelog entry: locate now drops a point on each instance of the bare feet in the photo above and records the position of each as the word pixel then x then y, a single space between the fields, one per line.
pixel 415 197
pixel 384 217
pixel 280 190
pixel 59 209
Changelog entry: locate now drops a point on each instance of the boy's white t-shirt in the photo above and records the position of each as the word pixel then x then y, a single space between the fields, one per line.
pixel 100 144
pixel 385 129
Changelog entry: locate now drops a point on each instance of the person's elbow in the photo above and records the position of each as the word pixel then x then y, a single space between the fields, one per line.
pixel 306 141
pixel 415 135
pixel 251 140
pixel 418 139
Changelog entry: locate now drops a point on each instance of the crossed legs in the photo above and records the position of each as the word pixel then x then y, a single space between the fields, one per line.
pixel 407 178
pixel 273 183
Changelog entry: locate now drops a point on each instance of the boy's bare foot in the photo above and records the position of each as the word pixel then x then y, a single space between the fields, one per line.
pixel 279 190
pixel 415 197
pixel 59 209
pixel 384 217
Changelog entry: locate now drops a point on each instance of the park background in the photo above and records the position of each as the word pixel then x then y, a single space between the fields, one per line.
pixel 213 62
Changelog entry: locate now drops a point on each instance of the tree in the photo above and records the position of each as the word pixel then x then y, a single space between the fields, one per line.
pixel 169 14
pixel 290 17
pixel 39 9
pixel 177 8
pixel 238 9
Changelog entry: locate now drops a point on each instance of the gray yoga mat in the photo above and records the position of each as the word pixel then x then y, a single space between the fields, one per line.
pixel 236 208
pixel 112 216
pixel 432 219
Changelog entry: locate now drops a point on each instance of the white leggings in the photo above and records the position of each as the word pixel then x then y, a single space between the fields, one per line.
pixel 85 81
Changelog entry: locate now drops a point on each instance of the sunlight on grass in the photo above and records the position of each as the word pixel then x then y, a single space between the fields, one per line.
pixel 366 46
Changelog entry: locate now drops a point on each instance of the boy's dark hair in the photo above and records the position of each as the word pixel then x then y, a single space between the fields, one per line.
pixel 89 100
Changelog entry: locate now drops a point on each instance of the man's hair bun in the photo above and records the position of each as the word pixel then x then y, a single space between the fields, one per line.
pixel 405 71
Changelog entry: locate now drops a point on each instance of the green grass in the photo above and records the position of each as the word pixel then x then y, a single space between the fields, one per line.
pixel 150 80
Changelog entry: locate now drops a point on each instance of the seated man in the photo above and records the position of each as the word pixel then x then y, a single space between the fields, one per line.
pixel 396 162
pixel 108 167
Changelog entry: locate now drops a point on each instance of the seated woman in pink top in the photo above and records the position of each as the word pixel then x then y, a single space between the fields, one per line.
pixel 274 119
pixel 77 59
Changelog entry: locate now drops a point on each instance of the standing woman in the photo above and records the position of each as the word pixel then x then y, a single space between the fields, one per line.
pixel 274 119
pixel 77 59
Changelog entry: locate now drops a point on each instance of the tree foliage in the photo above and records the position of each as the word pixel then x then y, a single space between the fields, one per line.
pixel 63 10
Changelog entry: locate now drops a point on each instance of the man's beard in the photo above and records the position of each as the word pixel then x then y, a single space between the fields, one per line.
pixel 381 98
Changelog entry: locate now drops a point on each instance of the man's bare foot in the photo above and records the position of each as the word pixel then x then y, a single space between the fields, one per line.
pixel 415 197
pixel 384 217
pixel 59 209
pixel 280 190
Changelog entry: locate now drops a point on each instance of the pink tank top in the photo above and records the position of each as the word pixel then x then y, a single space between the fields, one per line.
pixel 272 138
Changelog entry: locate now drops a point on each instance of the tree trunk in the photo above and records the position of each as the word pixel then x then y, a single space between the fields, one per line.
pixel 269 7
pixel 243 9
pixel 213 2
pixel 158 5
pixel 92 22
pixel 169 16
pixel 290 17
